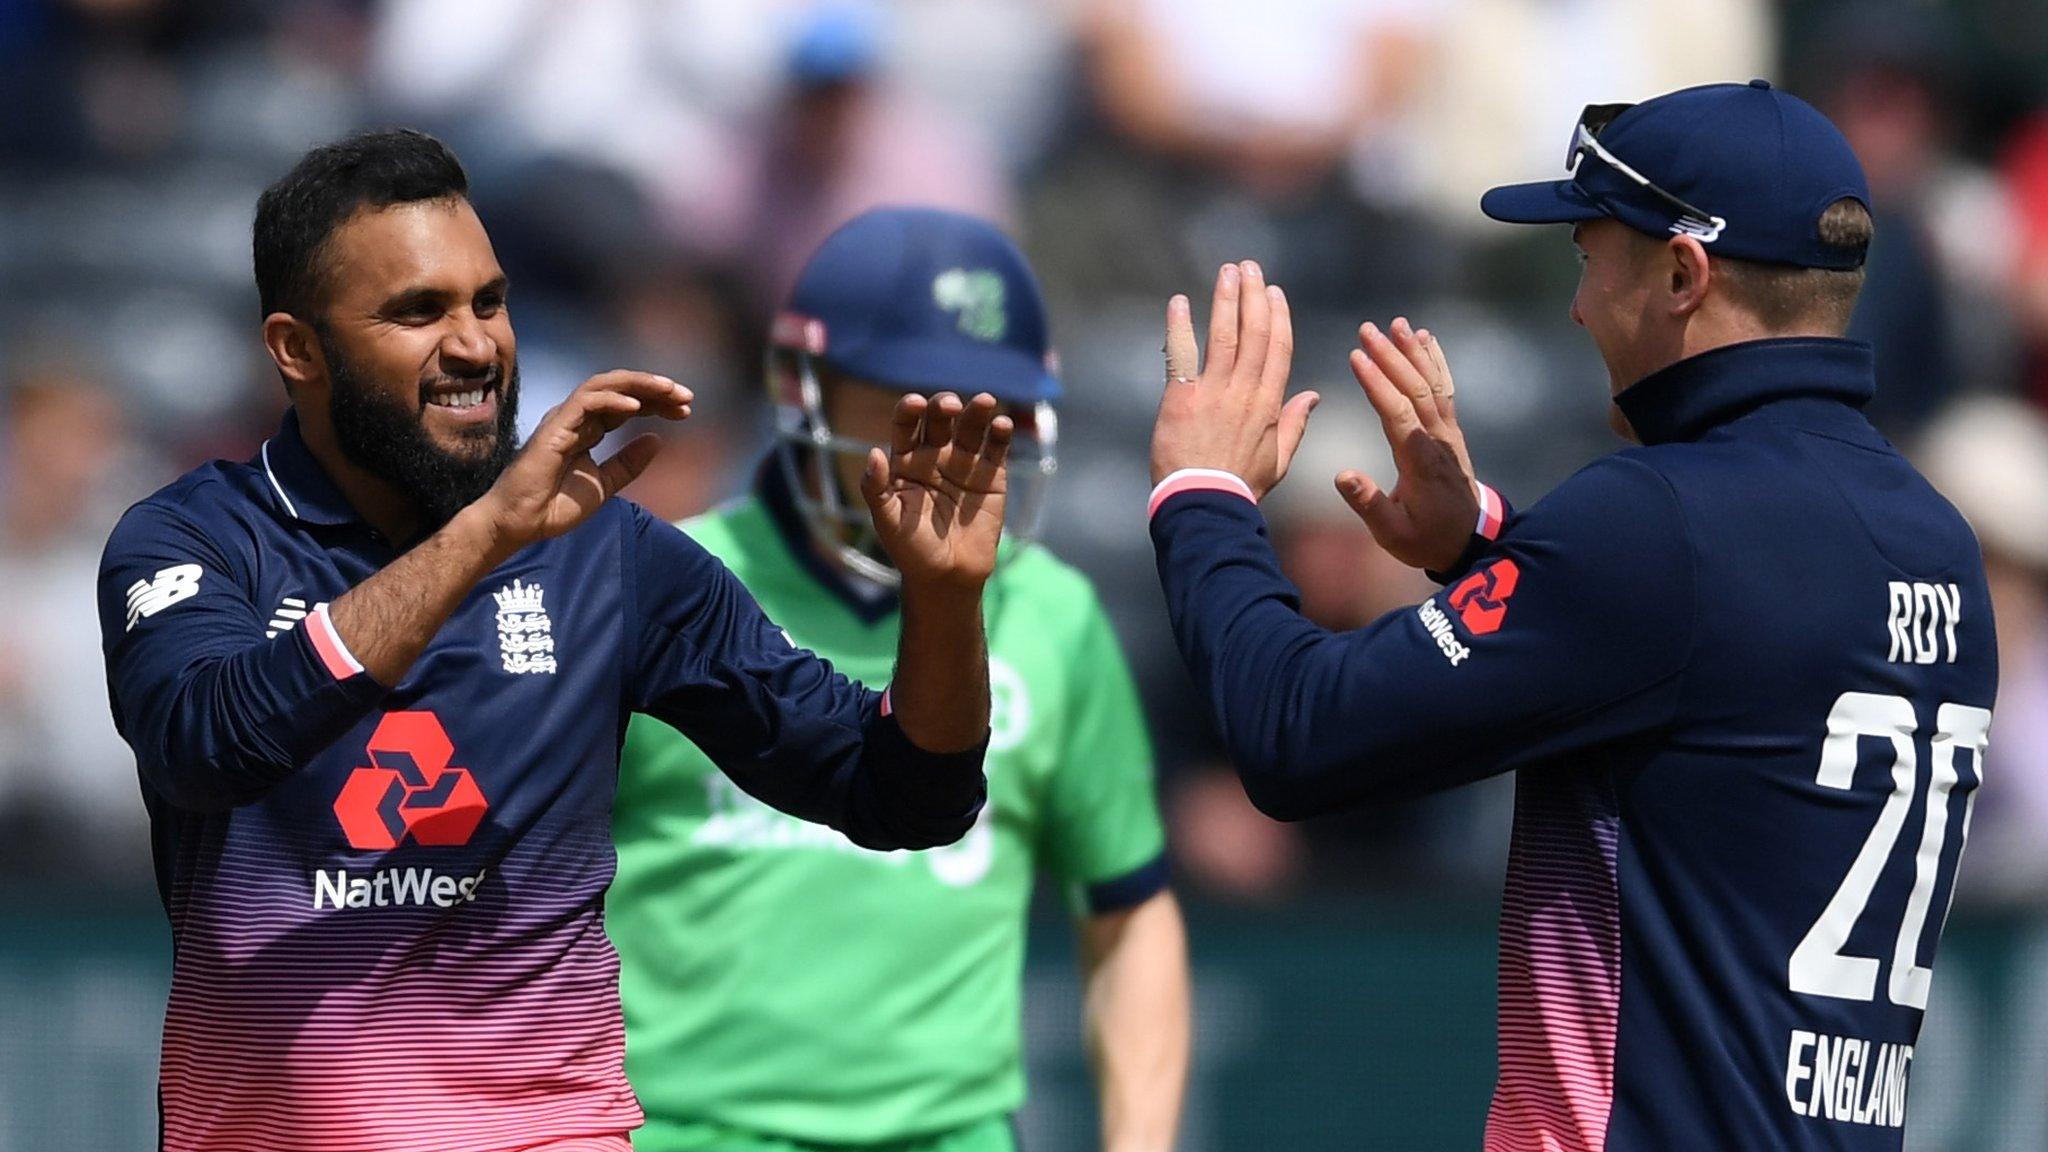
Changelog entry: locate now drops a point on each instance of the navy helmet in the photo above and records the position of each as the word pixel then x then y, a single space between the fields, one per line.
pixel 1746 168
pixel 922 300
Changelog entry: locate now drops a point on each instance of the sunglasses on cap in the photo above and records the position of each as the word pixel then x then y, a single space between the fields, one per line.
pixel 1586 143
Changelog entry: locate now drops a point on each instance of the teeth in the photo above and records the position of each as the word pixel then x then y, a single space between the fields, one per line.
pixel 469 399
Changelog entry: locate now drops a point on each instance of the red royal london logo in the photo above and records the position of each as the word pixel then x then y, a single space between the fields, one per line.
pixel 1481 599
pixel 410 792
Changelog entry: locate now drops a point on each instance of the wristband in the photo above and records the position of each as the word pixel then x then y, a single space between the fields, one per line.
pixel 1197 480
pixel 334 655
pixel 1492 513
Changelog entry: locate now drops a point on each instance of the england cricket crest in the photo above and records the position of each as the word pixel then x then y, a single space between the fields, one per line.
pixel 526 638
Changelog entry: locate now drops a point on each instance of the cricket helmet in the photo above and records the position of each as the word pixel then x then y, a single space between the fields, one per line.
pixel 923 300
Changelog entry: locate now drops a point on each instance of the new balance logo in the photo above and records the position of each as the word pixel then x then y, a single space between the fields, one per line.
pixel 148 597
pixel 289 612
pixel 1705 231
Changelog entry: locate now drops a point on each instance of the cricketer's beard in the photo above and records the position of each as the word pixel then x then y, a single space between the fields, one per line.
pixel 387 438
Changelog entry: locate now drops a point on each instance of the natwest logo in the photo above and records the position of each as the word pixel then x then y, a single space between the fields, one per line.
pixel 1481 599
pixel 410 792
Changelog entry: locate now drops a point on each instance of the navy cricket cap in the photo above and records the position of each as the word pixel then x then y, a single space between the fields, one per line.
pixel 1746 168
pixel 924 299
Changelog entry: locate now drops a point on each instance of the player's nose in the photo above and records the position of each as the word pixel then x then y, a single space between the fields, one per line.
pixel 468 344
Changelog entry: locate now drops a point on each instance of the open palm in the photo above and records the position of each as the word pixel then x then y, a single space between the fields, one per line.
pixel 1427 520
pixel 554 483
pixel 937 492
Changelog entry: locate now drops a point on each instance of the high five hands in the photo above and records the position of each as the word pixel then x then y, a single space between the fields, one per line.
pixel 1230 414
pixel 1234 416
pixel 937 492
pixel 1428 519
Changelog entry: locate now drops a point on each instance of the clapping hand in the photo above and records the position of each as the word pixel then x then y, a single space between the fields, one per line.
pixel 1232 415
pixel 937 492
pixel 554 484
pixel 1427 520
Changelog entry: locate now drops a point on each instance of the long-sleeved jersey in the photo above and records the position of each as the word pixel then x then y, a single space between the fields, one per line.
pixel 1744 676
pixel 386 903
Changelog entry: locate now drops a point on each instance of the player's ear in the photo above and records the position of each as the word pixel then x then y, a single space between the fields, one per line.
pixel 294 348
pixel 1690 274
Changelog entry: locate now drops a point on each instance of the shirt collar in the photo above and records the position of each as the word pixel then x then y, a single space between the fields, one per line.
pixel 301 485
pixel 1683 401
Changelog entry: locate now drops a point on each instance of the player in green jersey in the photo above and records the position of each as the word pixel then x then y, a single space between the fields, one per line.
pixel 786 991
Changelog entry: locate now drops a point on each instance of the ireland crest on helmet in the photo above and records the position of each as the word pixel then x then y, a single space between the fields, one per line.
pixel 978 297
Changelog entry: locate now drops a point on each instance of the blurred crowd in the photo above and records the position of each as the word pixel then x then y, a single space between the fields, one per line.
pixel 653 172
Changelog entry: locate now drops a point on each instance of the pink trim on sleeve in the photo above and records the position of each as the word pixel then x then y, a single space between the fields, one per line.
pixel 341 663
pixel 1197 480
pixel 1490 513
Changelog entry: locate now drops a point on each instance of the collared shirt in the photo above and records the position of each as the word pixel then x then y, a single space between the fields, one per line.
pixel 911 1024
pixel 1743 674
pixel 386 901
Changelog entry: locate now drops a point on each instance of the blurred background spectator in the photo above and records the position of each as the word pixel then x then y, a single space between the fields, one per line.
pixel 67 784
pixel 1990 457
pixel 1204 134
pixel 652 171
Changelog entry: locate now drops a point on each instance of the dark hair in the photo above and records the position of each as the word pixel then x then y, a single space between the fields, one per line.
pixel 296 216
pixel 1784 297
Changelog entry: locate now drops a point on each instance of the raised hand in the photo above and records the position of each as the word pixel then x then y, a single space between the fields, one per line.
pixel 1427 520
pixel 1232 416
pixel 937 492
pixel 554 484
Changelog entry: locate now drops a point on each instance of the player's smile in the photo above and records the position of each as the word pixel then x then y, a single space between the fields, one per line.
pixel 463 405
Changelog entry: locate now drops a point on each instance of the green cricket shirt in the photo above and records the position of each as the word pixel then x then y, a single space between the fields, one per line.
pixel 779 980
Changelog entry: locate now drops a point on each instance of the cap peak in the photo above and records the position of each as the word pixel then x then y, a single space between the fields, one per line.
pixel 1748 169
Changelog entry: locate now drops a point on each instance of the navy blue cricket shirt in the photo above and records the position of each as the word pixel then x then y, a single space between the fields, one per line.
pixel 386 903
pixel 1743 674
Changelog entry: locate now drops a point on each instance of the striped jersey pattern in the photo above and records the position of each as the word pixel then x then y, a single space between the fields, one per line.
pixel 481 1027
pixel 1560 968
